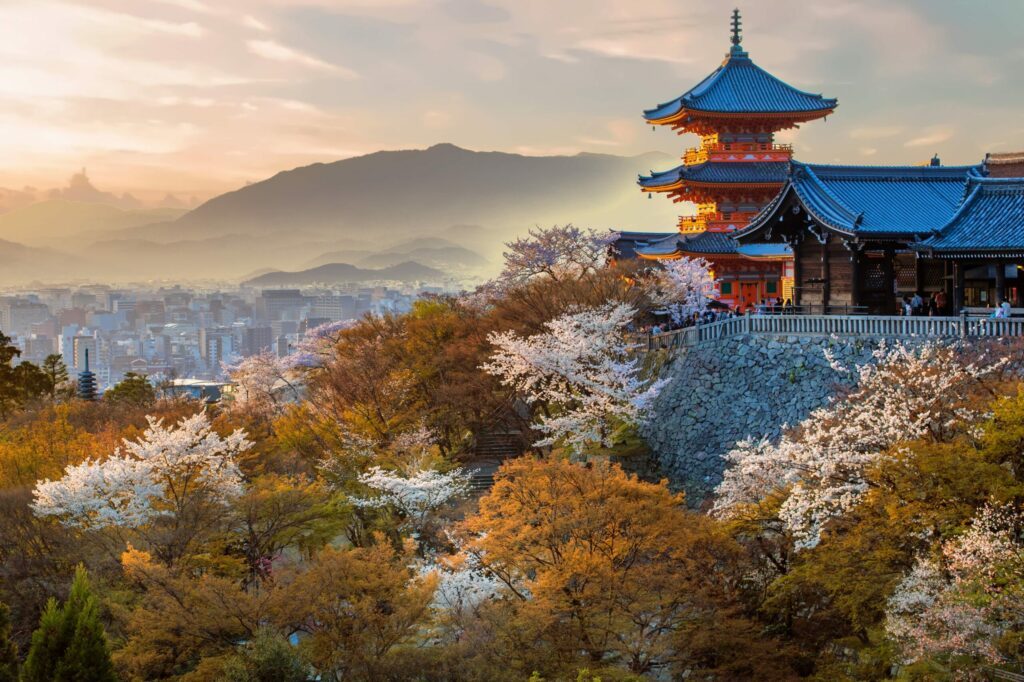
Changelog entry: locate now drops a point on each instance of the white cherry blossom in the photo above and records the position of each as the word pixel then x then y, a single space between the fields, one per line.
pixel 906 393
pixel 158 475
pixel 582 369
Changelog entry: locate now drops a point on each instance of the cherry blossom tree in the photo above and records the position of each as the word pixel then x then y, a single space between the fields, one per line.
pixel 683 286
pixel 165 476
pixel 963 600
pixel 315 348
pixel 264 384
pixel 904 394
pixel 463 588
pixel 559 252
pixel 416 488
pixel 416 494
pixel 580 371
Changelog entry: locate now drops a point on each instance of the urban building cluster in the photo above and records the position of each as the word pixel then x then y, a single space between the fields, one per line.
pixel 179 336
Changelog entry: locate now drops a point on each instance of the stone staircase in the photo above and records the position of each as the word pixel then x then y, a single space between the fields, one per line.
pixel 491 449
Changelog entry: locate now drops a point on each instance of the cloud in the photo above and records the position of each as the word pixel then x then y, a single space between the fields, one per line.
pixel 85 81
pixel 875 132
pixel 249 21
pixel 190 5
pixel 933 135
pixel 474 11
pixel 275 51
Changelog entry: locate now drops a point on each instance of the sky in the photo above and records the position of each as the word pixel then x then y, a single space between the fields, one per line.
pixel 202 96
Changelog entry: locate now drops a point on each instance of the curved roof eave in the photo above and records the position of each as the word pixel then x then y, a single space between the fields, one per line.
pixel 765 215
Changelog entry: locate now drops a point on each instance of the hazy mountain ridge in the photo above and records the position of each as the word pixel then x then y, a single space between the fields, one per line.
pixel 55 220
pixel 420 192
pixel 20 263
pixel 444 207
pixel 345 273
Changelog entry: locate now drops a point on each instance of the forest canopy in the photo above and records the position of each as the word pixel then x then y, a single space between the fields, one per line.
pixel 321 524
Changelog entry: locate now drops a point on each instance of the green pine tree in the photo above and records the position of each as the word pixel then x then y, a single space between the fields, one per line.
pixel 8 652
pixel 56 373
pixel 87 658
pixel 134 389
pixel 70 644
pixel 46 646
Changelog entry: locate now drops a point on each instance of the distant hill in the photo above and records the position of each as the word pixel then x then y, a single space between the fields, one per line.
pixel 435 252
pixel 446 208
pixel 344 273
pixel 54 221
pixel 397 195
pixel 21 264
pixel 448 258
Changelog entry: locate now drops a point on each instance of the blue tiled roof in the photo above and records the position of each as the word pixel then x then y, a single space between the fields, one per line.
pixel 627 243
pixel 666 246
pixel 720 172
pixel 990 219
pixel 741 86
pixel 708 243
pixel 873 199
pixel 765 251
pixel 702 244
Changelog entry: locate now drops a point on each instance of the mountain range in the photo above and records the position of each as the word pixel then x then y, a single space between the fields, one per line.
pixel 344 273
pixel 445 208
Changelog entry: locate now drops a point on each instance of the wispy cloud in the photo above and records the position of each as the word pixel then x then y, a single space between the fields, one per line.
pixel 875 132
pixel 249 21
pixel 275 51
pixel 931 136
pixel 190 5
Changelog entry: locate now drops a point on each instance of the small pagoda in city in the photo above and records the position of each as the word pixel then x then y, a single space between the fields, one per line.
pixel 737 169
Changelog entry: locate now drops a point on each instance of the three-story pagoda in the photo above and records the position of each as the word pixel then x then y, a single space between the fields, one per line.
pixel 737 169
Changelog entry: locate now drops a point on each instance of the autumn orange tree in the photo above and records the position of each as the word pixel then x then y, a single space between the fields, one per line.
pixel 607 570
pixel 356 609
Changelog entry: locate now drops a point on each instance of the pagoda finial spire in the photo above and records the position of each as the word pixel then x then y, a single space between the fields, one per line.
pixel 736 29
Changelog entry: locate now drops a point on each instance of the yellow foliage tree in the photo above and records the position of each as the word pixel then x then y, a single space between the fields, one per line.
pixel 356 608
pixel 601 562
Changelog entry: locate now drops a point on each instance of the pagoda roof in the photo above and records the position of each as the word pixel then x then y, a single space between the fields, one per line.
pixel 989 221
pixel 871 201
pixel 739 86
pixel 718 173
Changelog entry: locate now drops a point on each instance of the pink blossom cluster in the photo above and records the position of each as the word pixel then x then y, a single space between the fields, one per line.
pixel 959 602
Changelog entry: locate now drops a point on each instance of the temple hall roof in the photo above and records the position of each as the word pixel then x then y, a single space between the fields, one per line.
pixel 990 220
pixel 709 244
pixel 719 172
pixel 871 200
pixel 664 247
pixel 627 244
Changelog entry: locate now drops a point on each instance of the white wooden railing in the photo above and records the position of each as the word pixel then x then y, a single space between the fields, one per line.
pixel 878 326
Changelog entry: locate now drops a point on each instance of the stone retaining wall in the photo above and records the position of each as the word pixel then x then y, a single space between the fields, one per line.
pixel 747 386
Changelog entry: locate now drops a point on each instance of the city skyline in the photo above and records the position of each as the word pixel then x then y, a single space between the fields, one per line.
pixel 197 97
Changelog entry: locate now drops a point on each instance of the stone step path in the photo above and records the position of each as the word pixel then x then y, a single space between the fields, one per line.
pixel 492 448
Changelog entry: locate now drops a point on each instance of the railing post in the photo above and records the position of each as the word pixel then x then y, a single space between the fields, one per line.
pixel 963 324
